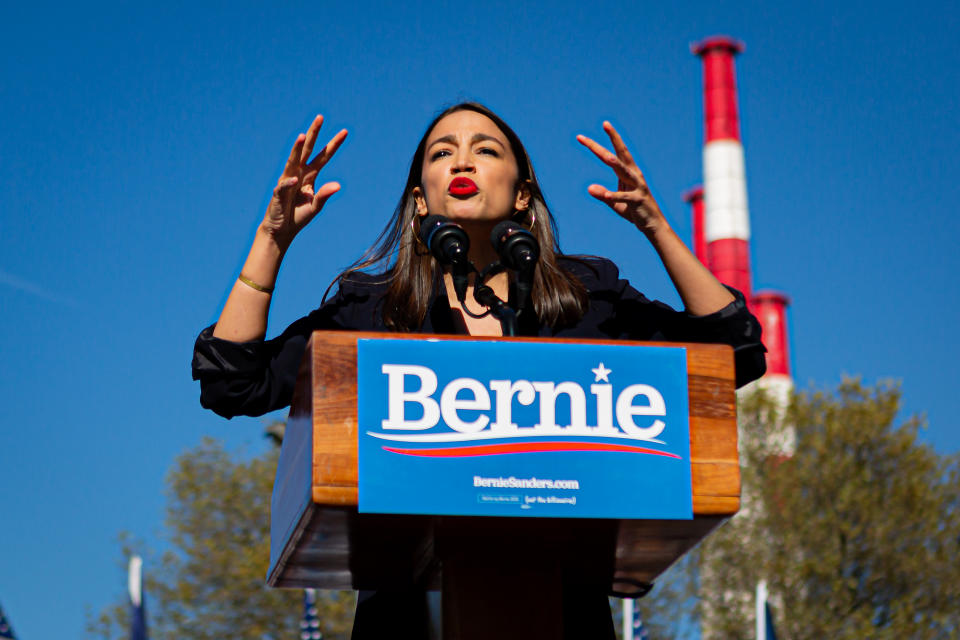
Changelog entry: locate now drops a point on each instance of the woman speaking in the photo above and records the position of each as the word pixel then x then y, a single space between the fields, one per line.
pixel 471 169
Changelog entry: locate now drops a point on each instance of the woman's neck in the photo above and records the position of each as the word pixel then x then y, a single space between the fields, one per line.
pixel 481 252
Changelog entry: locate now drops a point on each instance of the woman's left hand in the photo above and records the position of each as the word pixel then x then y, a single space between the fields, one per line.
pixel 700 291
pixel 632 199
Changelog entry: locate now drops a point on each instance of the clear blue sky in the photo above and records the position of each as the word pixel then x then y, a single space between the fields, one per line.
pixel 139 143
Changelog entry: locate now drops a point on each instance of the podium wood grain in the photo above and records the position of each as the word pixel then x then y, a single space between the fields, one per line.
pixel 323 541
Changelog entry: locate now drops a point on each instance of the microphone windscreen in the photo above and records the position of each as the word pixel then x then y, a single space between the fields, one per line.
pixel 502 231
pixel 516 246
pixel 428 226
pixel 446 240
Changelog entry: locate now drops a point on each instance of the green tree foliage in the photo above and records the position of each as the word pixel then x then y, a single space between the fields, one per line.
pixel 857 533
pixel 210 583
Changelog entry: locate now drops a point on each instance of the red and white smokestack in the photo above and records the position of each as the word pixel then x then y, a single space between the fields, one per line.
pixel 770 307
pixel 726 219
pixel 726 225
pixel 694 198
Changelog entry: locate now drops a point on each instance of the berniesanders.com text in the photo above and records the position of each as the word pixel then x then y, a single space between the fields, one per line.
pixel 524 483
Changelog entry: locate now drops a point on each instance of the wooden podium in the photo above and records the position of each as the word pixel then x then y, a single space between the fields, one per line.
pixel 499 576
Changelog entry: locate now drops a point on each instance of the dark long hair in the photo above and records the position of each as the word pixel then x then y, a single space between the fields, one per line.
pixel 558 297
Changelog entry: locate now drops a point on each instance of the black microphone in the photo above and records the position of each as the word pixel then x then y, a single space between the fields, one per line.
pixel 449 244
pixel 518 250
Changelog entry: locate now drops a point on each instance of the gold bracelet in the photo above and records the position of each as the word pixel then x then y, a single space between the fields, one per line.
pixel 253 285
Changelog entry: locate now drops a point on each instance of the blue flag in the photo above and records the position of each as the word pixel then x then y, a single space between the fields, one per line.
pixel 138 609
pixel 639 631
pixel 310 625
pixel 771 631
pixel 6 631
pixel 765 628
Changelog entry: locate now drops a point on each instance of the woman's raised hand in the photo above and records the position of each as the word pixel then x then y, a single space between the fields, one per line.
pixel 700 291
pixel 295 201
pixel 632 199
pixel 292 207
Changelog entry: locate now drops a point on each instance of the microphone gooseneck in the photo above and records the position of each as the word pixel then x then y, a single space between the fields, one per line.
pixel 449 244
pixel 485 296
pixel 519 251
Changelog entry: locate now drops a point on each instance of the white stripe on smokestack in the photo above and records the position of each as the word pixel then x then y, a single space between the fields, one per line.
pixel 725 185
pixel 726 216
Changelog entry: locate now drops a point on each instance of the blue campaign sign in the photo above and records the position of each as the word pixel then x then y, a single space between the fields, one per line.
pixel 523 429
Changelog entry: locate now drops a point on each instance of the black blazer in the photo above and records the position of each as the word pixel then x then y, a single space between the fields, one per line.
pixel 252 378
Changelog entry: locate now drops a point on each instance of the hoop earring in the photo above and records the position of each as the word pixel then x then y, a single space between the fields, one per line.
pixel 419 249
pixel 526 215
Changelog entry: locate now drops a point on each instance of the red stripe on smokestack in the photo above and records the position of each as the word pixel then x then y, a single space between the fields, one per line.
pixel 770 307
pixel 694 198
pixel 729 261
pixel 719 86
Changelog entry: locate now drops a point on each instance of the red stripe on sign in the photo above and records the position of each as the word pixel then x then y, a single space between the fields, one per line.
pixel 526 447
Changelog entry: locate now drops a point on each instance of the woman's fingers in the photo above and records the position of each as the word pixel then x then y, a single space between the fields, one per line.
pixel 316 203
pixel 312 133
pixel 282 195
pixel 607 157
pixel 635 206
pixel 618 145
pixel 632 200
pixel 295 201
pixel 327 152
pixel 605 196
pixel 302 149
pixel 600 192
pixel 323 194
pixel 620 160
pixel 292 168
pixel 284 187
pixel 623 202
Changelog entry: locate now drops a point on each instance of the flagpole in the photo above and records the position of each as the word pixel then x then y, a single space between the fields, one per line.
pixel 138 618
pixel 761 610
pixel 133 579
pixel 628 619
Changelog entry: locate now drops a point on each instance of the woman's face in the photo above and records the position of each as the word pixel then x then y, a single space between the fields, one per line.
pixel 469 171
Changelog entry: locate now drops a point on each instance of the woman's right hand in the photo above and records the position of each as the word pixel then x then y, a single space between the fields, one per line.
pixel 295 202
pixel 292 207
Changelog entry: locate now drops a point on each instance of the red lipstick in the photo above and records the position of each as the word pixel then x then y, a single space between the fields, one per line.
pixel 462 187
